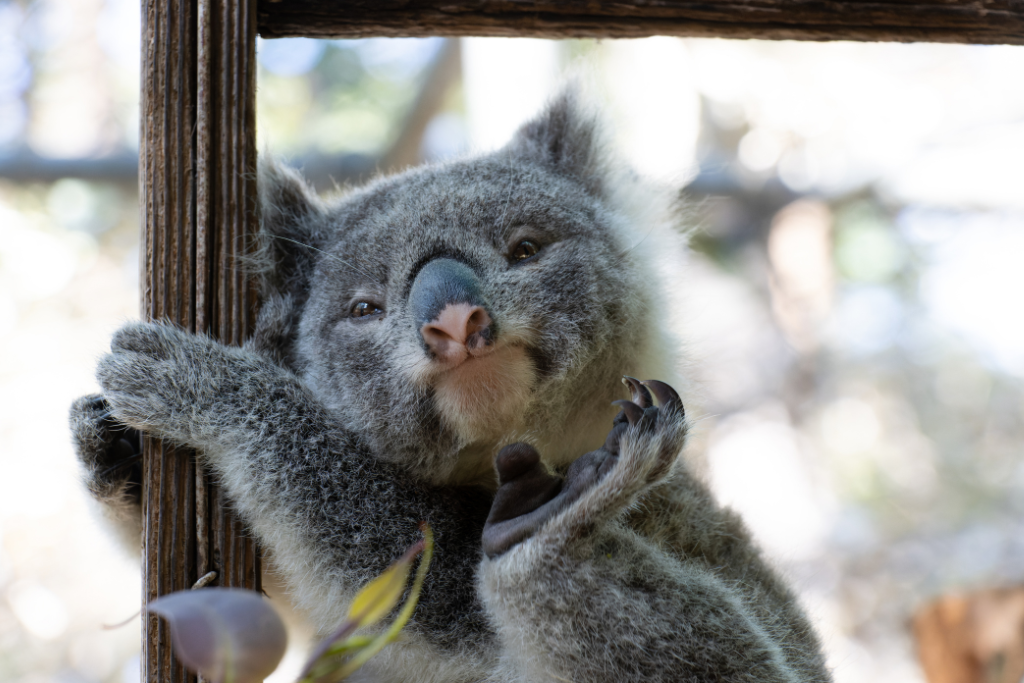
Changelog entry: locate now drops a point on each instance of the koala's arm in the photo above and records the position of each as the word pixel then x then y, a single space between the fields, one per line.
pixel 332 515
pixel 640 575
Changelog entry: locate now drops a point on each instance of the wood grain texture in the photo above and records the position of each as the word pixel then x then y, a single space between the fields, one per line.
pixel 952 21
pixel 198 200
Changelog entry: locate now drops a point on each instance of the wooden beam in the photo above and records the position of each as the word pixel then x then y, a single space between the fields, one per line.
pixel 949 21
pixel 197 166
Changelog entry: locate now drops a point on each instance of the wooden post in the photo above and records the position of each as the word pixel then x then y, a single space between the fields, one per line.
pixel 197 162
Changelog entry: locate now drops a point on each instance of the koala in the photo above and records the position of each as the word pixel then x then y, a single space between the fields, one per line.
pixel 459 343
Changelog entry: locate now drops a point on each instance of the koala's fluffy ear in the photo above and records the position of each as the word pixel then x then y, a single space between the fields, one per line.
pixel 291 228
pixel 565 137
pixel 291 235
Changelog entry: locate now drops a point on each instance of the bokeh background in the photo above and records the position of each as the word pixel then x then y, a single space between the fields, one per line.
pixel 853 309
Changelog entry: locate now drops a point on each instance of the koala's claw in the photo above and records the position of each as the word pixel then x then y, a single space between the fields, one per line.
pixel 662 427
pixel 667 396
pixel 641 396
pixel 631 411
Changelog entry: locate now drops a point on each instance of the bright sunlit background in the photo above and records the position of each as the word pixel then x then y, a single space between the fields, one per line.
pixel 853 309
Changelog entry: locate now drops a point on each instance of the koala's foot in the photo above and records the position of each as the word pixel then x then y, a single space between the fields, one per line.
pixel 110 452
pixel 640 449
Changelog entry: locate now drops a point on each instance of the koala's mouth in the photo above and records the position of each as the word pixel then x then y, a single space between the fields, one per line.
pixel 485 395
pixel 481 381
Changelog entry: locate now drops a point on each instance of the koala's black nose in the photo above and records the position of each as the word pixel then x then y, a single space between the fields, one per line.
pixel 450 310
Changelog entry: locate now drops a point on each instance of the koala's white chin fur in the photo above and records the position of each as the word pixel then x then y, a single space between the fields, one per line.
pixel 481 397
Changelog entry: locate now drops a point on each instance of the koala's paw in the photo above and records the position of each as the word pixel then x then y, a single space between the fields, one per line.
pixel 641 448
pixel 110 452
pixel 159 378
pixel 646 439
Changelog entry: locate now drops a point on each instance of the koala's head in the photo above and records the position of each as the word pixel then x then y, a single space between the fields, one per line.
pixel 449 310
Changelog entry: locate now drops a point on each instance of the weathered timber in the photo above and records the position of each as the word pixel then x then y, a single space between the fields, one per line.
pixel 950 21
pixel 197 165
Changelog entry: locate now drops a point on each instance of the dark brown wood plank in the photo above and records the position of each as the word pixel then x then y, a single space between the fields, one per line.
pixel 951 21
pixel 166 200
pixel 197 185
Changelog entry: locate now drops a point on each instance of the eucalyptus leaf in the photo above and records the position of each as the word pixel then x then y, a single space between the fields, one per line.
pixel 365 653
pixel 342 653
pixel 228 635
pixel 379 597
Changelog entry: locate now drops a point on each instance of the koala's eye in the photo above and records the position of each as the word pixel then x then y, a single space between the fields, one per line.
pixel 524 250
pixel 363 309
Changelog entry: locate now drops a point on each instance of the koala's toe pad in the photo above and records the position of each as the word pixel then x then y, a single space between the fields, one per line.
pixel 529 495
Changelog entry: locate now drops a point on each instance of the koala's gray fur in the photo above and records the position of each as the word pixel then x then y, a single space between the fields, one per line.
pixel 335 436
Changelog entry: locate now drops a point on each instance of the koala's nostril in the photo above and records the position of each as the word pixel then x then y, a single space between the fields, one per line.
pixel 478 324
pixel 458 325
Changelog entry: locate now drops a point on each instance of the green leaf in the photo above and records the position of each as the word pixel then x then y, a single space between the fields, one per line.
pixel 343 653
pixel 377 598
